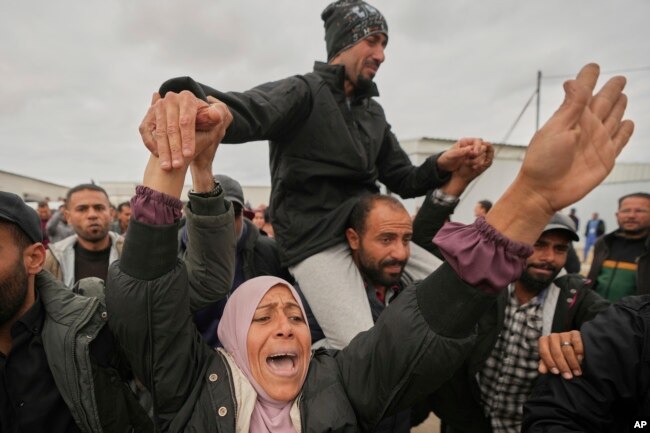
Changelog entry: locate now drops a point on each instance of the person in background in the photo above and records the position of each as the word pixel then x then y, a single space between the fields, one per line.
pixel 574 217
pixel 255 255
pixel 123 216
pixel 93 247
pixel 594 229
pixel 621 263
pixel 57 227
pixel 482 208
pixel 44 213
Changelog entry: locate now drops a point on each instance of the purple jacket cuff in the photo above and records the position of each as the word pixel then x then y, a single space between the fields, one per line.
pixel 154 207
pixel 482 256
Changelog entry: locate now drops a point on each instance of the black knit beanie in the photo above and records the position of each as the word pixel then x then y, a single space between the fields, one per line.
pixel 349 21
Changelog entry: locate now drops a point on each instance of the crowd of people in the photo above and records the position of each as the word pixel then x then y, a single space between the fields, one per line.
pixel 332 309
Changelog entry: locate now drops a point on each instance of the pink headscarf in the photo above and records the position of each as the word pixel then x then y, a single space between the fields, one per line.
pixel 269 415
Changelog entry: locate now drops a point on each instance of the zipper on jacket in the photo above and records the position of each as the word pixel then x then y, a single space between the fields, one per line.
pixel 83 321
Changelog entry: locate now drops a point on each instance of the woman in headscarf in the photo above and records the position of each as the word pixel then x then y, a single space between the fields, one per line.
pixel 266 379
pixel 266 338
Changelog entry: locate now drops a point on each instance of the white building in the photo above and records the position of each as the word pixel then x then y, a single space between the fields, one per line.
pixel 625 178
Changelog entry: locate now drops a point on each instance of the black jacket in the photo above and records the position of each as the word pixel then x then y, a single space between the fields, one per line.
pixel 614 389
pixel 324 153
pixel 457 402
pixel 415 345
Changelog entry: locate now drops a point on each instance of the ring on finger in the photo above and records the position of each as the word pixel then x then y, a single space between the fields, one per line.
pixel 566 343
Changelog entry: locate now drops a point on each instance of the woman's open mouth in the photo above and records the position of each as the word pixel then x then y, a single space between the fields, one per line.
pixel 282 364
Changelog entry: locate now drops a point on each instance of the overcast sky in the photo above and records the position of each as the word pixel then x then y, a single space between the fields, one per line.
pixel 77 77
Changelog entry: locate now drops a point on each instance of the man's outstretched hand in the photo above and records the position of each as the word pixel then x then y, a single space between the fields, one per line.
pixel 179 127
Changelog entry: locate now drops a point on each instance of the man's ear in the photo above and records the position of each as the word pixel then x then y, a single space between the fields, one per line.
pixel 34 257
pixel 353 239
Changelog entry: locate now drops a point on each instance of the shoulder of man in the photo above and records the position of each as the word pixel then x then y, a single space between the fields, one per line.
pixel 90 287
pixel 571 282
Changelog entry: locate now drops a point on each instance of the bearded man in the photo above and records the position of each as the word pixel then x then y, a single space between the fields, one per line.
pixel 621 265
pixel 488 393
pixel 92 248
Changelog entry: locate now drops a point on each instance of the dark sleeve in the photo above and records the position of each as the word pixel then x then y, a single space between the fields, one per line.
pixel 265 112
pixel 590 305
pixel 210 253
pixel 429 219
pixel 416 345
pixel 148 303
pixel 398 173
pixel 614 379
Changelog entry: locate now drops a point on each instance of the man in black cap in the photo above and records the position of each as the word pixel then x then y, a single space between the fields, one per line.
pixel 488 393
pixel 330 144
pixel 256 255
pixel 59 371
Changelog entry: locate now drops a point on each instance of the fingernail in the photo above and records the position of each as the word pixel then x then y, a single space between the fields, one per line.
pixel 164 164
pixel 577 372
pixel 555 370
pixel 580 358
pixel 176 162
pixel 567 375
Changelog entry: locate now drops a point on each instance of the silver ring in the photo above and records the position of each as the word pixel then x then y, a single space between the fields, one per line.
pixel 566 343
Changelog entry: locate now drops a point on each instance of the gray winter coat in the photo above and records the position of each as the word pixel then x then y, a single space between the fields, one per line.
pixel 97 395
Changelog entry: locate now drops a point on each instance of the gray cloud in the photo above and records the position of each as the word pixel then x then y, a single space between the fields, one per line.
pixel 77 77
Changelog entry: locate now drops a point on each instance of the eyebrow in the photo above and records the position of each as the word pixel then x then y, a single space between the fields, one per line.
pixel 273 304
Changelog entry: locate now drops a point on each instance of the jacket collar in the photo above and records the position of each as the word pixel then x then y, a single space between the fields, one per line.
pixel 334 76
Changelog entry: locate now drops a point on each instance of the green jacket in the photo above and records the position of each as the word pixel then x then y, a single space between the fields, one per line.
pixel 415 346
pixel 98 397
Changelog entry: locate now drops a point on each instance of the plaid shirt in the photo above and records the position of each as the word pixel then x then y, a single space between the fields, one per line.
pixel 507 377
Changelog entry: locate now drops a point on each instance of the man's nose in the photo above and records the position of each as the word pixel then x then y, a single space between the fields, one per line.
pixel 401 251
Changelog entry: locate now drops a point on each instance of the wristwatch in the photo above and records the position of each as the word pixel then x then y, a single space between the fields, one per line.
pixel 440 198
pixel 215 191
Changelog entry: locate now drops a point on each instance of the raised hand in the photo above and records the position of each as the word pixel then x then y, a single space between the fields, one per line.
pixel 464 150
pixel 572 153
pixel 179 127
pixel 577 147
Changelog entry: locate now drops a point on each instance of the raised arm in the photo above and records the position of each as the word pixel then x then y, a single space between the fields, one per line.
pixel 147 290
pixel 573 152
pixel 589 133
pixel 439 204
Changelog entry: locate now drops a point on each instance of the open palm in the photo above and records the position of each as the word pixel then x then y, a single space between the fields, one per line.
pixel 576 149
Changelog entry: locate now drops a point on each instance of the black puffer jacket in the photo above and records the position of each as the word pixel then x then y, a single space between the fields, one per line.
pixel 614 390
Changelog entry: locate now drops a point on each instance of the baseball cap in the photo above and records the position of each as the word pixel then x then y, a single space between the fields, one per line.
pixel 14 209
pixel 233 192
pixel 564 223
